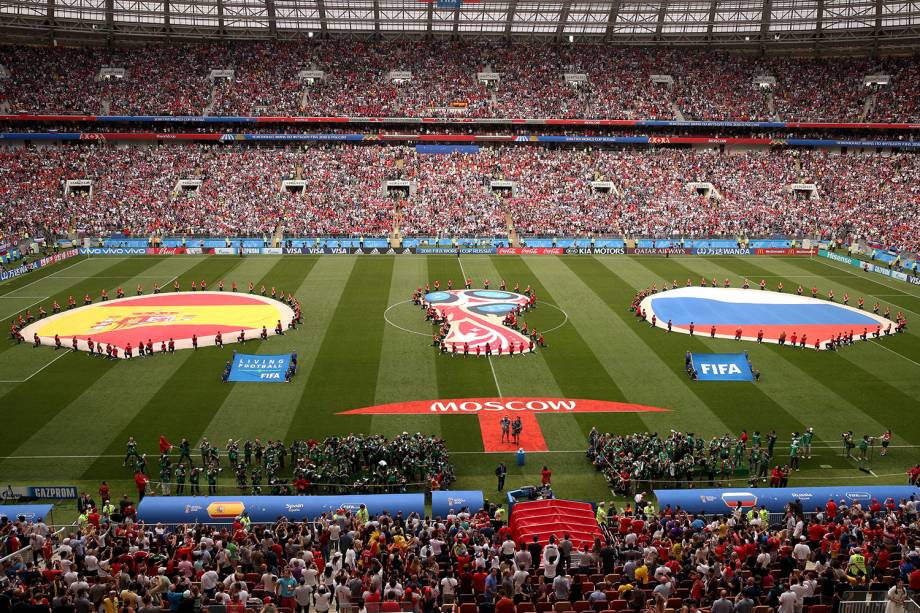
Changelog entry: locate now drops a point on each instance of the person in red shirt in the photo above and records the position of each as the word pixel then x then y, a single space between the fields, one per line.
pixel 104 494
pixel 913 580
pixel 546 476
pixel 165 445
pixel 504 604
pixel 390 605
pixel 831 509
pixel 140 481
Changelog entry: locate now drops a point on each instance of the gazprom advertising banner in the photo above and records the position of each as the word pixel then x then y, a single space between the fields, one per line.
pixel 267 509
pixel 261 368
pixel 721 367
pixel 776 499
pixel 445 501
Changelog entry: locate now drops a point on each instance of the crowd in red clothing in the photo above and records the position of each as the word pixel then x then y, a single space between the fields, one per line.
pixel 343 190
pixel 702 84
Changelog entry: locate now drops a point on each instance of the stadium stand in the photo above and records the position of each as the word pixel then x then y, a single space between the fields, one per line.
pixel 643 561
pixel 343 191
pixel 239 78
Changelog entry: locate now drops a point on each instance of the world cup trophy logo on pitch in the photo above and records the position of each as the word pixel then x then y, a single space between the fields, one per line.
pixel 476 318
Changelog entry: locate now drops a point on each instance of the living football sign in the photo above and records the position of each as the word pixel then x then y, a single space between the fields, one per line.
pixel 259 368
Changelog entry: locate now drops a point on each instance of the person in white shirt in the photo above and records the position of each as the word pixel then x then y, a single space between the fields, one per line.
pixel 209 581
pixel 787 601
pixel 799 590
pixel 801 552
pixel 323 599
pixel 303 595
pixel 448 589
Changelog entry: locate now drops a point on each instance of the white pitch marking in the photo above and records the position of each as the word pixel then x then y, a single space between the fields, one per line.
pixel 66 351
pixel 495 378
pixel 43 278
pixel 25 307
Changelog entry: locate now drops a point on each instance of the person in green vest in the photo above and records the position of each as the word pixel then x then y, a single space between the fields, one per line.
pixel 193 477
pixel 363 515
pixel 857 565
pixel 864 448
pixel 764 516
pixel 131 451
pixel 140 464
pixel 794 453
pixel 213 472
pixel 806 442
pixel 601 515
pixel 205 449
pixel 165 478
pixel 185 451
pixel 181 472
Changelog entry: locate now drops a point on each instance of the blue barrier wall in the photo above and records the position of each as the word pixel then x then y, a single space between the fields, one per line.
pixel 776 499
pixel 267 509
pixel 30 511
pixel 442 502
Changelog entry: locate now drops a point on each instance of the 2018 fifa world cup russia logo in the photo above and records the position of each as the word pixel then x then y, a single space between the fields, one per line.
pixel 476 316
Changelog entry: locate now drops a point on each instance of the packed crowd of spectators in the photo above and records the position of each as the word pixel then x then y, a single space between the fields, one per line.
pixel 645 560
pixel 542 191
pixel 703 85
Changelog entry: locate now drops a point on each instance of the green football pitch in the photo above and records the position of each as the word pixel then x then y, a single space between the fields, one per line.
pixel 66 416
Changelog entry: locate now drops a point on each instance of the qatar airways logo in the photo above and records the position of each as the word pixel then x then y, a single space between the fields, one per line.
pixel 472 406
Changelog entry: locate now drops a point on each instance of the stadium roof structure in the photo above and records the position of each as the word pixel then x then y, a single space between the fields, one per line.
pixel 738 22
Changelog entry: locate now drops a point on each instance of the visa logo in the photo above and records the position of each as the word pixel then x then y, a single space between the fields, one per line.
pixel 720 369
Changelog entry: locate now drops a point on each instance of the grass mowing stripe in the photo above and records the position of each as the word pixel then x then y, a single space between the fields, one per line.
pixel 572 360
pixel 76 425
pixel 29 279
pixel 531 374
pixel 639 358
pixel 792 385
pixel 235 417
pixel 458 377
pixel 116 273
pixel 726 400
pixel 905 344
pixel 344 375
pixel 888 284
pixel 407 367
pixel 181 407
pixel 52 389
pixel 869 394
pixel 112 400
pixel 45 395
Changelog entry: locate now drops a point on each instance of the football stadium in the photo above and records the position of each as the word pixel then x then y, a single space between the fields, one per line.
pixel 460 306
